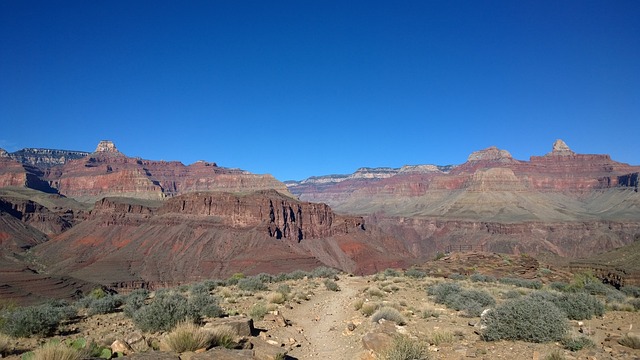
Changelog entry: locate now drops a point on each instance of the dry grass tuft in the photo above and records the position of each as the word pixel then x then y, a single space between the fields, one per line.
pixel 224 336
pixel 187 336
pixel 440 337
pixel 630 341
pixel 4 344
pixel 276 298
pixel 56 351
pixel 368 308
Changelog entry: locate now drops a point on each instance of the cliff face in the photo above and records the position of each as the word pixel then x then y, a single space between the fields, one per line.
pixel 45 158
pixel 108 172
pixel 195 235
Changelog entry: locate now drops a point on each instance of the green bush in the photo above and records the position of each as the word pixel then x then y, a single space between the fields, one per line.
pixel 331 285
pixel 251 284
pixel 635 303
pixel 559 286
pixel 482 278
pixel 579 306
pixel 633 291
pixel 258 311
pixel 40 320
pixel 324 272
pixel 284 289
pixel 203 304
pixel 297 275
pixel 456 276
pixel 134 301
pixel 105 305
pixel 415 273
pixel 472 302
pixel 525 319
pixel 164 312
pixel 391 273
pixel 404 348
pixel 530 284
pixel 390 314
pixel 577 343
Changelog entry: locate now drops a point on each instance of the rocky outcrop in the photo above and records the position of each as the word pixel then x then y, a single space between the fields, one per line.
pixel 204 235
pixel 108 172
pixel 45 158
pixel 282 217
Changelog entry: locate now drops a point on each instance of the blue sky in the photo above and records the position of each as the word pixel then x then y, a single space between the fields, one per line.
pixel 301 88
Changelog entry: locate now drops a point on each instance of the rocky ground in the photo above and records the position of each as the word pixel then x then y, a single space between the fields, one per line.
pixel 315 322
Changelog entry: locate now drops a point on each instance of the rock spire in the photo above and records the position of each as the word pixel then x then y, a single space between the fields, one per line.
pixel 106 146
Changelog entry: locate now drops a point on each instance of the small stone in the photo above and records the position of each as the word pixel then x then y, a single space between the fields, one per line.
pixel 472 323
pixel 351 326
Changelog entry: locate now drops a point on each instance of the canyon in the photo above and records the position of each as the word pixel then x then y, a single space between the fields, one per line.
pixel 70 219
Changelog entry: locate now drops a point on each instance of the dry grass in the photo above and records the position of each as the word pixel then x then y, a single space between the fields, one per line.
pixel 188 337
pixel 389 313
pixel 4 344
pixel 223 335
pixel 276 298
pixel 630 341
pixel 440 337
pixel 368 308
pixel 56 351
pixel 357 305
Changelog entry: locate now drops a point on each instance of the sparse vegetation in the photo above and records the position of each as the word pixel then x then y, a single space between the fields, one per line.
pixel 404 348
pixel 390 314
pixel 276 298
pixel 415 273
pixel 135 301
pixel 630 341
pixel 251 284
pixel 105 305
pixel 577 343
pixel 40 320
pixel 526 319
pixel 368 308
pixel 472 302
pixel 224 336
pixel 164 313
pixel 440 337
pixel 56 351
pixel 258 311
pixel 4 344
pixel 187 336
pixel 555 355
pixel 530 284
pixel 331 285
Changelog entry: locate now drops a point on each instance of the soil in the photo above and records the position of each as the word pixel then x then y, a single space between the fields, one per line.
pixel 328 326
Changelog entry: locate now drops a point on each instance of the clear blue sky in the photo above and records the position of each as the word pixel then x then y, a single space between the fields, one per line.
pixel 301 88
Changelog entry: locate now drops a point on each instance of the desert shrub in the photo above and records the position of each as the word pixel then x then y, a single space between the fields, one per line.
pixel 630 341
pixel 524 283
pixel 525 319
pixel 429 313
pixel 635 303
pixel 404 348
pixel 187 336
pixel 597 288
pixel 633 291
pixel 443 290
pixel 368 308
pixel 577 343
pixel 324 272
pixel 357 305
pixel 276 298
pixel 224 336
pixel 439 255
pixel 134 301
pixel 284 289
pixel 559 286
pixel 203 304
pixel 614 295
pixel 56 351
pixel 390 314
pixel 200 288
pixel 579 306
pixel 375 292
pixel 97 293
pixel 251 284
pixel 415 273
pixel 456 276
pixel 440 337
pixel 233 279
pixel 40 320
pixel 391 272
pixel 512 294
pixel 580 280
pixel 555 355
pixel 105 305
pixel 258 311
pixel 265 278
pixel 163 313
pixel 472 302
pixel 298 275
pixel 482 278
pixel 331 285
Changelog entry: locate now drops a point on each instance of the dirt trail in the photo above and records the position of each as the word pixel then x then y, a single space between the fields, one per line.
pixel 323 323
